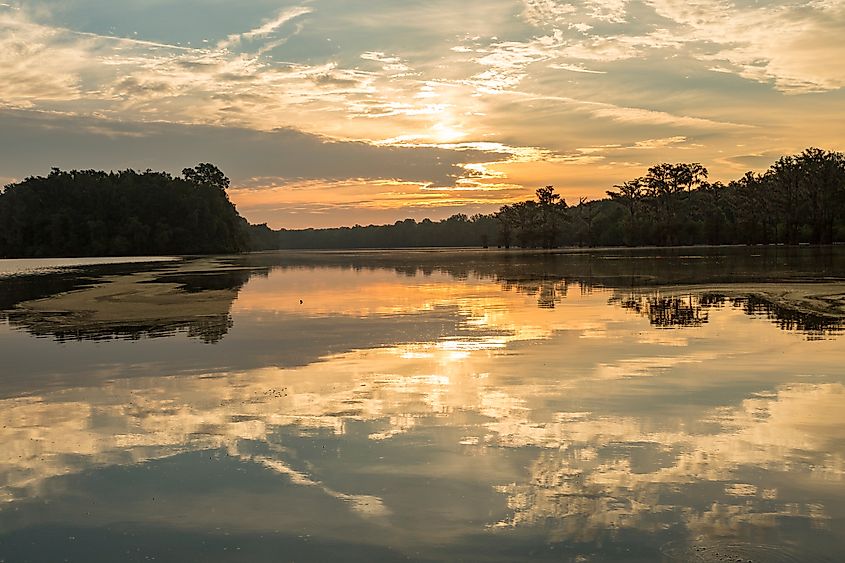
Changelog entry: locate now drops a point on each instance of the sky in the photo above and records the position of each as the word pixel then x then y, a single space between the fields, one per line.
pixel 342 112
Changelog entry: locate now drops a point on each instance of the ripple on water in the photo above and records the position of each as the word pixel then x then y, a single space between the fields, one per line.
pixel 704 551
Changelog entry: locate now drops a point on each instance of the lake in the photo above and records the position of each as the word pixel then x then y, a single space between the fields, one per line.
pixel 619 405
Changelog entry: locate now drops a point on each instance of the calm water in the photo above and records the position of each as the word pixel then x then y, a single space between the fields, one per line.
pixel 617 406
pixel 41 266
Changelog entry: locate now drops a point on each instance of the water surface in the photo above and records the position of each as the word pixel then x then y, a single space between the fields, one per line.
pixel 24 266
pixel 609 406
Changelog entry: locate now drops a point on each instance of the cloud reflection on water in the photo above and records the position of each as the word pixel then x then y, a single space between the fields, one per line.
pixel 599 458
pixel 582 422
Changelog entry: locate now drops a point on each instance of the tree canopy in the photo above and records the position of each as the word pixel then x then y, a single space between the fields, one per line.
pixel 94 213
pixel 800 198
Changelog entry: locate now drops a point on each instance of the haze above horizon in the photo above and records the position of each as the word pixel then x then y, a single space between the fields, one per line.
pixel 327 113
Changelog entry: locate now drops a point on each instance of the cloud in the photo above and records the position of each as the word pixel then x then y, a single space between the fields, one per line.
pixel 267 28
pixel 393 65
pixel 34 64
pixel 653 117
pixel 507 62
pixel 150 81
pixel 644 144
pixel 575 68
pixel 612 11
pixel 649 144
pixel 37 141
pixel 804 55
pixel 636 115
pixel 544 12
pixel 274 24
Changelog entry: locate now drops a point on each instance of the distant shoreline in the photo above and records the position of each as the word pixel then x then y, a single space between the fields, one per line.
pixel 74 261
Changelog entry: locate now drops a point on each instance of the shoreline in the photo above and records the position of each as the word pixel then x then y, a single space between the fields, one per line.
pixel 129 259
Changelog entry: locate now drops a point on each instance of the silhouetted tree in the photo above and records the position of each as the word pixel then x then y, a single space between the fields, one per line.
pixel 663 184
pixel 534 224
pixel 630 195
pixel 823 186
pixel 801 198
pixel 92 213
pixel 552 210
pixel 205 174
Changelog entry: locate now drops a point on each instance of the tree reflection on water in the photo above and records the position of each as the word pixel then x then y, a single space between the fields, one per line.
pixel 665 312
pixel 202 292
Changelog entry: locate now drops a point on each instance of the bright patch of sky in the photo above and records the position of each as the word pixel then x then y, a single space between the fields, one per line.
pixel 493 98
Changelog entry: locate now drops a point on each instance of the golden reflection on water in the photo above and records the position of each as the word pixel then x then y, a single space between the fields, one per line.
pixel 512 312
pixel 624 426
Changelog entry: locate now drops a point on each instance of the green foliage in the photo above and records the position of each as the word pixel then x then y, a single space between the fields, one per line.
pixel 92 213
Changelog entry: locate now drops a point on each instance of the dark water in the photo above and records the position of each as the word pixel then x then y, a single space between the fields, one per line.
pixel 478 406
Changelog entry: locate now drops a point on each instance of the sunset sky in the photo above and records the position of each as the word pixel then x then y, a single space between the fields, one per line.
pixel 333 112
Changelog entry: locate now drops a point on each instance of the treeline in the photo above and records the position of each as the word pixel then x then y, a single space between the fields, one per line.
pixel 800 199
pixel 457 230
pixel 93 213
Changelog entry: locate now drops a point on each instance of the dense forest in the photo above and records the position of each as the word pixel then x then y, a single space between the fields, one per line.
pixel 799 199
pixel 92 213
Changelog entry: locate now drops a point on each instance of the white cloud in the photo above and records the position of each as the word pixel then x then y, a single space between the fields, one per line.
pixel 626 114
pixel 612 11
pixel 575 68
pixel 805 54
pixel 269 27
pixel 35 64
pixel 544 12
pixel 797 47
pixel 395 66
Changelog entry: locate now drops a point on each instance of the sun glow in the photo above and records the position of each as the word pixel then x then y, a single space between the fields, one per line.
pixel 443 132
pixel 569 98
